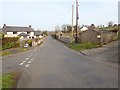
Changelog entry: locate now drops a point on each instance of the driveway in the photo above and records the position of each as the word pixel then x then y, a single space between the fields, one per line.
pixel 53 65
pixel 108 54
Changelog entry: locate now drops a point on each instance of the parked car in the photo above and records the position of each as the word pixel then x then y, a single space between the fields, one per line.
pixel 26 45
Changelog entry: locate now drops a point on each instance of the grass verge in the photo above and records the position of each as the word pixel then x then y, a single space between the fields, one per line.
pixel 9 52
pixel 10 80
pixel 6 53
pixel 83 46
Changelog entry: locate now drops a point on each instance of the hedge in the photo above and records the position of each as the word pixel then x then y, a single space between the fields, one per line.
pixel 10 42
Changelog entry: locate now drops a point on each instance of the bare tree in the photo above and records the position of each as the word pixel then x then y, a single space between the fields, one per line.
pixel 92 27
pixel 66 28
pixel 57 28
pixel 110 23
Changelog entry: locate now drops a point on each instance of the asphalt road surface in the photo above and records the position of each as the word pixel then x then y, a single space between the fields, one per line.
pixel 53 65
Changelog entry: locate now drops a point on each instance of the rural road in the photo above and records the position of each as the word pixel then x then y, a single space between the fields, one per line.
pixel 53 65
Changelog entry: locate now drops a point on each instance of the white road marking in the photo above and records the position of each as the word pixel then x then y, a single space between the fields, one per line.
pixel 29 62
pixel 21 64
pixel 32 59
pixel 27 58
pixel 27 65
pixel 24 61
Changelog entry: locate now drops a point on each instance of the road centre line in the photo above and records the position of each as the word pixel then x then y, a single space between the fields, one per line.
pixel 21 64
pixel 27 65
pixel 29 62
pixel 27 58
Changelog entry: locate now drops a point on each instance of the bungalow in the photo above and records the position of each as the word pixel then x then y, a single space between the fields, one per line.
pixel 96 36
pixel 37 34
pixel 13 31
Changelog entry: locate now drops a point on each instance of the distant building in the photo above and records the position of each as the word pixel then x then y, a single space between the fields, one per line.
pixel 38 34
pixel 97 36
pixel 15 31
pixel 83 29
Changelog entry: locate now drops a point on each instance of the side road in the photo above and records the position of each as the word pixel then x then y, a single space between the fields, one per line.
pixel 107 54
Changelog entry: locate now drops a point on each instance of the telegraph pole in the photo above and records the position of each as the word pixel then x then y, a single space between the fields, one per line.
pixel 77 17
pixel 72 22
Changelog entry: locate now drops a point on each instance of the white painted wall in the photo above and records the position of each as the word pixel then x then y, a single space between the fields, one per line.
pixel 10 34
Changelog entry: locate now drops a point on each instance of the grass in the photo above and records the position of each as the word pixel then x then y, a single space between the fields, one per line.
pixel 10 80
pixel 23 49
pixel 7 81
pixel 6 53
pixel 0 82
pixel 9 52
pixel 83 46
pixel 108 28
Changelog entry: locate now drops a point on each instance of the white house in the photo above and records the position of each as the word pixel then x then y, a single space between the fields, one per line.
pixel 14 31
pixel 37 34
pixel 84 28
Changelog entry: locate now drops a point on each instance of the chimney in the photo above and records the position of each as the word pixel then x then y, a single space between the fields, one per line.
pixel 4 25
pixel 30 26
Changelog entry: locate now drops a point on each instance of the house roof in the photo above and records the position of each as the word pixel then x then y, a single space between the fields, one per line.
pixel 103 31
pixel 36 33
pixel 18 29
pixel 23 34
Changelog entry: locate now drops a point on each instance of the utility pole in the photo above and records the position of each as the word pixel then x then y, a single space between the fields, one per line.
pixel 72 23
pixel 77 17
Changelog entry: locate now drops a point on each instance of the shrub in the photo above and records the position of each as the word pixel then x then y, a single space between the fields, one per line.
pixel 29 42
pixel 86 45
pixel 10 42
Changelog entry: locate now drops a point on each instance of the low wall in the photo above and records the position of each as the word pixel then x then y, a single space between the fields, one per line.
pixel 65 40
pixel 34 43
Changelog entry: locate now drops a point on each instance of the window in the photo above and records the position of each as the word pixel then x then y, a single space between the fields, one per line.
pixel 28 32
pixel 14 32
pixel 37 36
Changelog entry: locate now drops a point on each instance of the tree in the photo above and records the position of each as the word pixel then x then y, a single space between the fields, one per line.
pixel 69 28
pixel 64 28
pixel 45 33
pixel 92 27
pixel 110 23
pixel 57 28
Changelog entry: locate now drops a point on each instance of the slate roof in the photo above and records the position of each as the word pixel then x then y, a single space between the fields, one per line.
pixel 17 29
pixel 23 34
pixel 103 31
pixel 36 33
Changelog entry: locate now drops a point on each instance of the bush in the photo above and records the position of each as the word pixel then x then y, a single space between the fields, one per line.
pixel 83 46
pixel 29 42
pixel 10 42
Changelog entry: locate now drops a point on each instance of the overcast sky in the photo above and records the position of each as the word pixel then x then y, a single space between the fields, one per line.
pixel 46 14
